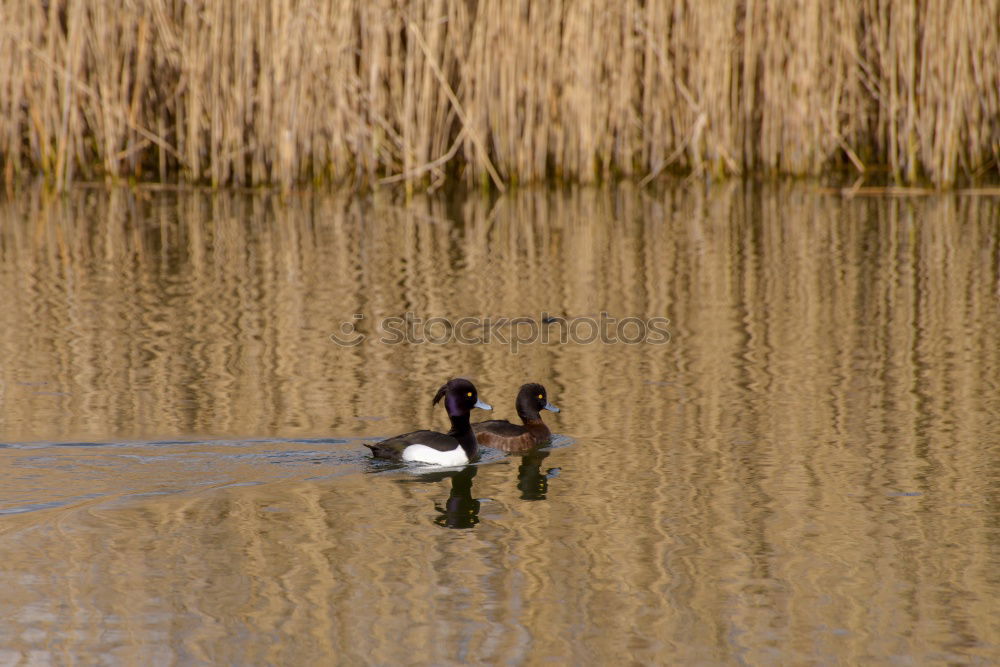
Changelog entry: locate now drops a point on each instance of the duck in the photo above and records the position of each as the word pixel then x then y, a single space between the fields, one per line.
pixel 513 438
pixel 457 447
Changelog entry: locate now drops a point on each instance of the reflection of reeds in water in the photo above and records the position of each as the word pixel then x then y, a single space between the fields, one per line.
pixel 293 91
pixel 189 314
pixel 739 490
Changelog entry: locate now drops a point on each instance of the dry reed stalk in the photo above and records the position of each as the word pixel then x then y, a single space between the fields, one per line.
pixel 287 91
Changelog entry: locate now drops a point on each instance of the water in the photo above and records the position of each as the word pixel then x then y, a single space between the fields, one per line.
pixel 806 472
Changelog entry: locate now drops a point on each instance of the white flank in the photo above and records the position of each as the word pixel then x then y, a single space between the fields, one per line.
pixel 425 454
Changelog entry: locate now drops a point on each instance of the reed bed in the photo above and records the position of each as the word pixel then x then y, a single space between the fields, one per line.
pixel 381 91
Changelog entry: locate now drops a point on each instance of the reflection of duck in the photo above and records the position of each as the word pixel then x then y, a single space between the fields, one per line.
pixel 461 510
pixel 531 481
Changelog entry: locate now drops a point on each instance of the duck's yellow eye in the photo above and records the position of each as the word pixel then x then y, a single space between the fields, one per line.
pixel 540 396
pixel 469 394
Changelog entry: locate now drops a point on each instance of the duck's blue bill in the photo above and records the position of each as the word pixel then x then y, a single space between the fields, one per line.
pixel 483 406
pixel 549 406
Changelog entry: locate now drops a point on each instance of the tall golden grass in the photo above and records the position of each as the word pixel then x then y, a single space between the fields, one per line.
pixel 372 91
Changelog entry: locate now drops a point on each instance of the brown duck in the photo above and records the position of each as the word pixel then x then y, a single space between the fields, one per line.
pixel 517 438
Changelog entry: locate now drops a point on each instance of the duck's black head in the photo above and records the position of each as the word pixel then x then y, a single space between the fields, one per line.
pixel 460 397
pixel 531 399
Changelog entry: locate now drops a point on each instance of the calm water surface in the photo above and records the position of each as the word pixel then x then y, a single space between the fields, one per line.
pixel 807 472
